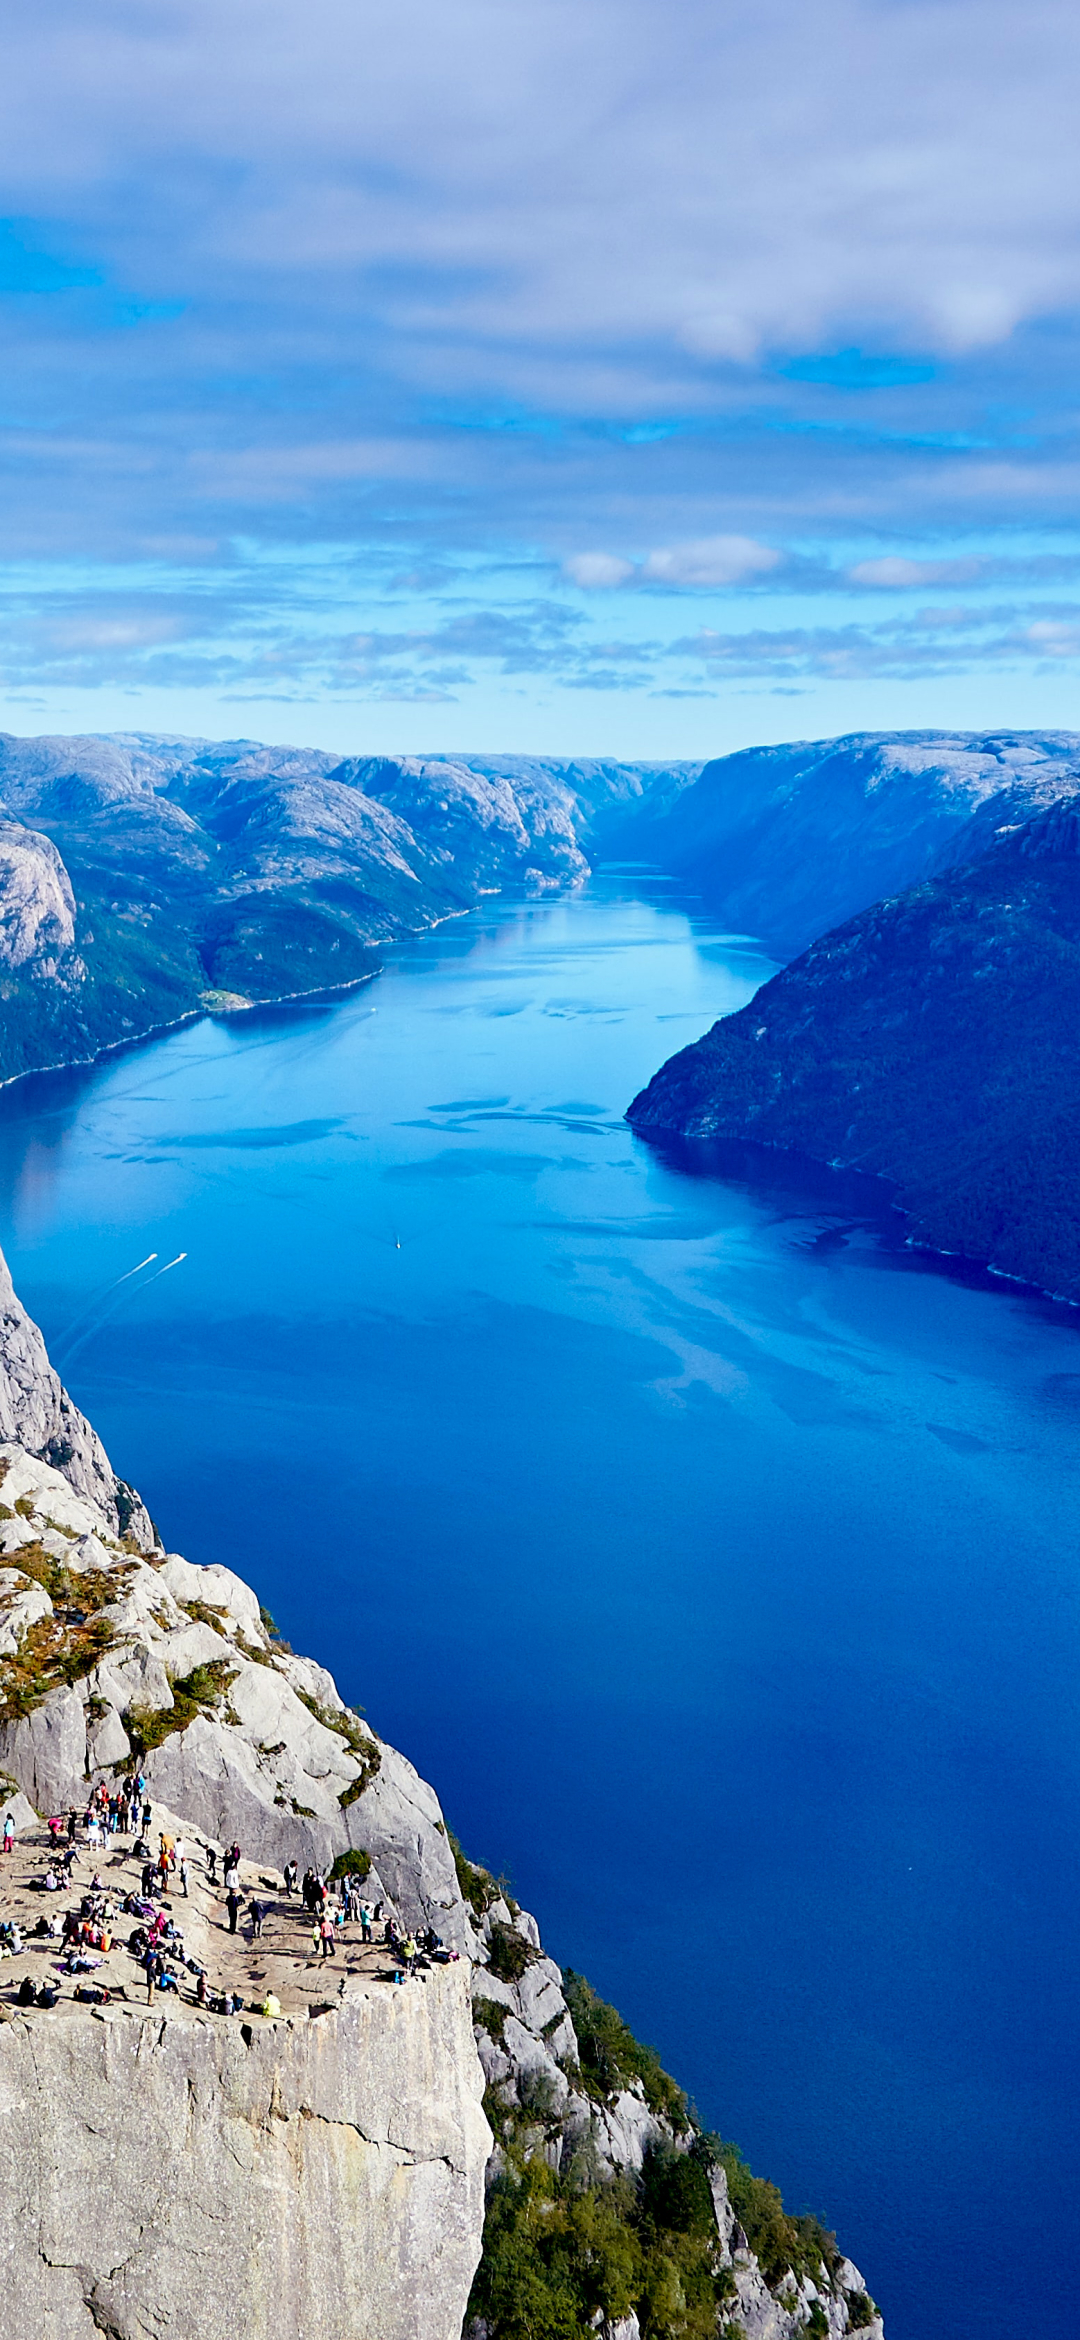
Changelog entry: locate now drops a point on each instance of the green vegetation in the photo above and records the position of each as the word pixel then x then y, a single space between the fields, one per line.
pixel 352 1864
pixel 780 2241
pixel 567 2250
pixel 347 1725
pixel 478 1886
pixel 193 1694
pixel 271 1632
pixel 860 2310
pixel 611 2058
pixel 563 2252
pixel 508 1952
pixel 205 1613
pixel 60 1649
pixel 491 2016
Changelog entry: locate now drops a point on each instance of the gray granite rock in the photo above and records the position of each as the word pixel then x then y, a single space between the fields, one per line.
pixel 294 2180
pixel 37 1414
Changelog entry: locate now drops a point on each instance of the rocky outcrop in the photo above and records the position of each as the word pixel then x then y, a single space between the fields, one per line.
pixel 37 1413
pixel 170 2173
pixel 37 906
pixel 323 2172
pixel 260 1745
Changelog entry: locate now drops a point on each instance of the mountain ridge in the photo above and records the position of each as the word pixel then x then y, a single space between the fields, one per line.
pixel 931 1041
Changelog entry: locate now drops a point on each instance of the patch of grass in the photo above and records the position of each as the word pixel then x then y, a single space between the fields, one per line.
pixel 491 2016
pixel 508 1952
pixel 781 2241
pixel 477 1885
pixel 250 1649
pixel 352 1864
pixel 612 2059
pixel 272 1634
pixel 193 1694
pixel 205 1613
pixel 346 1724
pixel 58 1650
pixel 860 2310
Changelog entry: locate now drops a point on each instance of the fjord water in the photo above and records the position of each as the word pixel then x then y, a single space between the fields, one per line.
pixel 716 1558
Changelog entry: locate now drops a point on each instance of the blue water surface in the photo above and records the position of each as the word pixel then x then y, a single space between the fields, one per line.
pixel 715 1558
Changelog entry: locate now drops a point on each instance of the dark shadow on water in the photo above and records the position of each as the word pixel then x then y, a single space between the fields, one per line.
pixel 795 1186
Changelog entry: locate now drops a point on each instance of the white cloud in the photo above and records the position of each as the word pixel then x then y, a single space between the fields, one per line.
pixel 894 571
pixel 706 560
pixel 710 560
pixel 595 570
pixel 1053 639
pixel 611 177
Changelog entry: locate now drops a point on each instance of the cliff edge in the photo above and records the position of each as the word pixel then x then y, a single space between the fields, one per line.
pixel 275 2163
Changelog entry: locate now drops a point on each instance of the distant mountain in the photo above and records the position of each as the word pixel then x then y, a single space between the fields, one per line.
pixel 784 842
pixel 934 1039
pixel 141 877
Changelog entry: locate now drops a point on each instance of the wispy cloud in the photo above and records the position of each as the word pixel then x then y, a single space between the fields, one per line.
pixel 706 561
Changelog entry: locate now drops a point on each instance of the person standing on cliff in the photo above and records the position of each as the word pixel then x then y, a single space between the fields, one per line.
pixel 9 1832
pixel 232 1904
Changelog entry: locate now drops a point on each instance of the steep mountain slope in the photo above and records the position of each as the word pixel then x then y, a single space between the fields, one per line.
pixel 138 875
pixel 787 841
pixel 316 2166
pixel 935 1040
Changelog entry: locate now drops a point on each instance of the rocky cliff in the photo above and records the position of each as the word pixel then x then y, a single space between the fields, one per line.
pixel 208 2173
pixel 176 2173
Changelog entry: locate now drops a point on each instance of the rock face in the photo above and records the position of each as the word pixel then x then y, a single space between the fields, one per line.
pixel 37 1413
pixel 37 906
pixel 168 2174
pixel 275 2179
pixel 269 1751
pixel 931 1041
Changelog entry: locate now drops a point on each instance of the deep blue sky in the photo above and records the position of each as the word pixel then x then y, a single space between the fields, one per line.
pixel 582 374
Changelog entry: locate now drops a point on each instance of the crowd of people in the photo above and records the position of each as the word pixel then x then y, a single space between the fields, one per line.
pixel 327 1909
